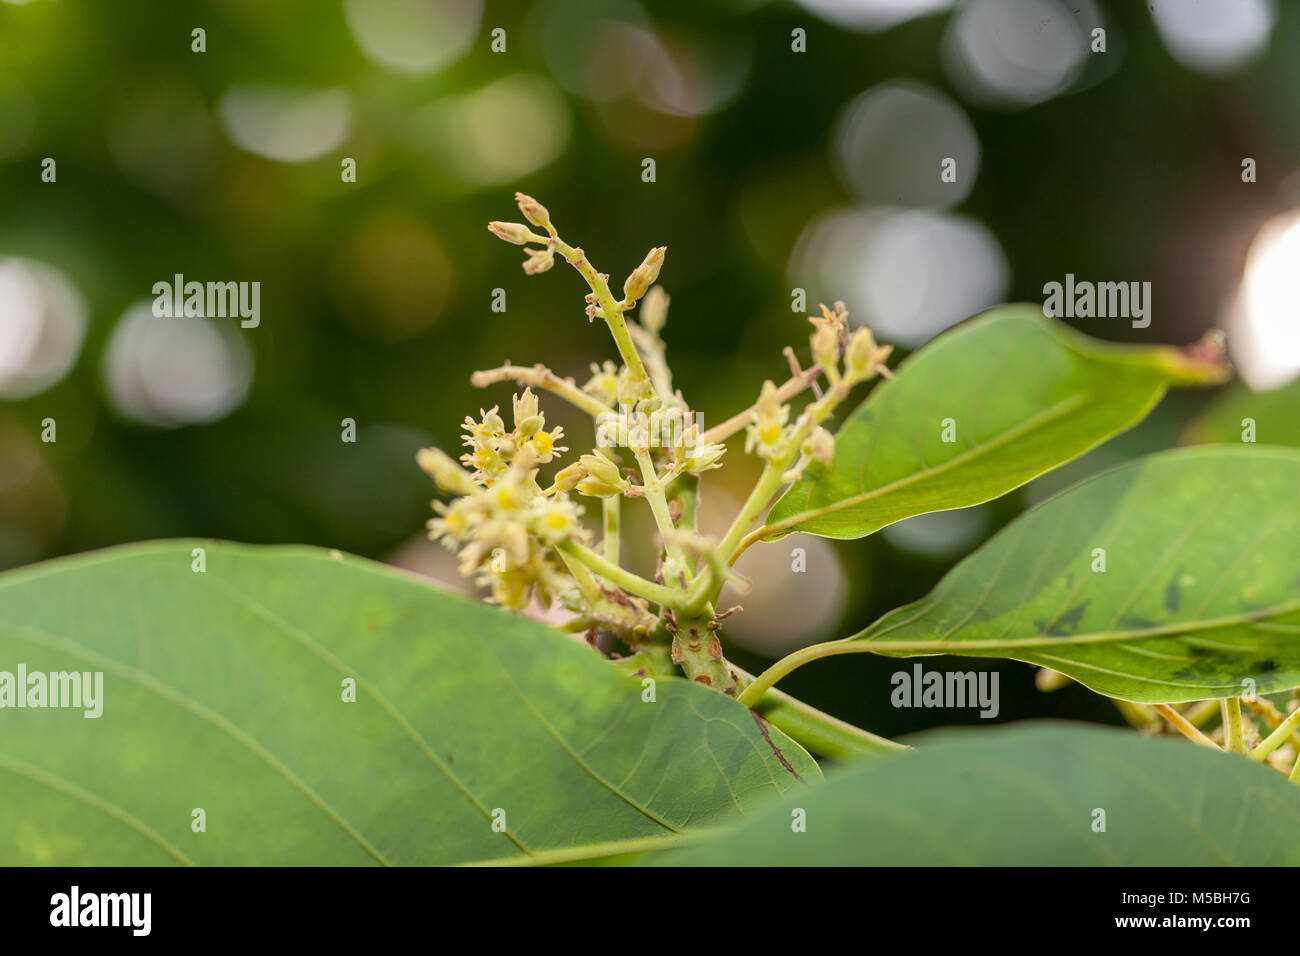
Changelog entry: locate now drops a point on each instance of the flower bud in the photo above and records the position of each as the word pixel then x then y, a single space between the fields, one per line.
pixel 510 232
pixel 533 211
pixel 538 261
pixel 705 457
pixel 644 275
pixel 825 346
pixel 862 353
pixel 603 480
pixel 450 476
pixel 567 478
pixel 525 406
pixel 654 310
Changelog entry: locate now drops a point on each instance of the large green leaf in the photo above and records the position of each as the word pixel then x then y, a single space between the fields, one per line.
pixel 1029 794
pixel 1270 418
pixel 1201 587
pixel 1024 394
pixel 223 690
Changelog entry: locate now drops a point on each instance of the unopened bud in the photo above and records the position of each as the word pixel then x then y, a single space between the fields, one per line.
pixel 538 261
pixel 825 346
pixel 603 480
pixel 862 354
pixel 450 476
pixel 654 310
pixel 533 211
pixel 511 232
pixel 567 478
pixel 644 275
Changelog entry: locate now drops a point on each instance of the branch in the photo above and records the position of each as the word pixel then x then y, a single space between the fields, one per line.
pixel 632 583
pixel 735 423
pixel 822 734
pixel 540 376
pixel 1184 727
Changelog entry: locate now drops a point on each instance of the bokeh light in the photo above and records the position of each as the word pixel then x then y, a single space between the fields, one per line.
pixel 909 274
pixel 42 323
pixel 286 124
pixel 508 129
pixel 1213 36
pixel 170 372
pixel 1264 321
pixel 891 140
pixel 1016 53
pixel 414 36
pixel 872 15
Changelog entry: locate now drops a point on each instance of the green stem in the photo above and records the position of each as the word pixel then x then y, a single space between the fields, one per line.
pixel 1180 724
pixel 698 651
pixel 853 644
pixel 773 476
pixel 769 482
pixel 613 312
pixel 819 732
pixel 766 680
pixel 610 511
pixel 1276 739
pixel 685 490
pixel 586 583
pixel 654 496
pixel 1233 739
pixel 1198 714
pixel 632 583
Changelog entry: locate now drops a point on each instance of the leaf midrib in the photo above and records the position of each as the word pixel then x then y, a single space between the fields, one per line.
pixel 1097 637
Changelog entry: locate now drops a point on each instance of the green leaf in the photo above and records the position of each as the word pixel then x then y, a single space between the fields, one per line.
pixel 1028 795
pixel 223 690
pixel 1201 587
pixel 1024 394
pixel 1275 415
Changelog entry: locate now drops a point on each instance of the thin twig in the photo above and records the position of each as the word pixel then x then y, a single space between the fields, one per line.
pixel 1183 726
pixel 540 376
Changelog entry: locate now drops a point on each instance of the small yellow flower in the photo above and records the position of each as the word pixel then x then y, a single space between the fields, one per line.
pixel 767 433
pixel 603 383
